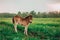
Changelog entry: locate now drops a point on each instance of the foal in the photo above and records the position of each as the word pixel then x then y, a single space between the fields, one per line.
pixel 22 21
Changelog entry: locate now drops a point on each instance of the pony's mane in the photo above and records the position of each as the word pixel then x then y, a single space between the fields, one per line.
pixel 28 16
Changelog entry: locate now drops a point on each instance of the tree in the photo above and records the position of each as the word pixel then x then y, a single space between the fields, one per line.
pixel 44 15
pixel 24 14
pixel 19 13
pixel 39 15
pixel 33 13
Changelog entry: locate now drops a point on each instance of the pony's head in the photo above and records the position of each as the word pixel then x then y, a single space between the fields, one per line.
pixel 29 18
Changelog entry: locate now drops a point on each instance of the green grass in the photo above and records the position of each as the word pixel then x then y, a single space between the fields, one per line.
pixel 40 29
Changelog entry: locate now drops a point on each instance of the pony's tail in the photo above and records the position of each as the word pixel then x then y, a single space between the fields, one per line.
pixel 13 20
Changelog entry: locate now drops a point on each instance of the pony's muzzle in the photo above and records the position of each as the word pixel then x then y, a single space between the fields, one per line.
pixel 30 22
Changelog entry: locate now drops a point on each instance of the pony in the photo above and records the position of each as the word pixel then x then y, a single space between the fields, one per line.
pixel 22 21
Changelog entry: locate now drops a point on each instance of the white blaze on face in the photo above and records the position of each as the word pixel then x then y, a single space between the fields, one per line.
pixel 54 7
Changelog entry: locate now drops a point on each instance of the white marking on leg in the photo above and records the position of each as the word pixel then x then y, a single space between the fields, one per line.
pixel 15 27
pixel 25 31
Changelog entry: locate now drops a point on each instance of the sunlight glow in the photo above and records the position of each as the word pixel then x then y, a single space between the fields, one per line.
pixel 54 7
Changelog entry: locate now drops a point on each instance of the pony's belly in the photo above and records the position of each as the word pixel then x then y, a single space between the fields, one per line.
pixel 24 24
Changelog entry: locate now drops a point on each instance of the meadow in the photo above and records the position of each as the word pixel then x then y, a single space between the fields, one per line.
pixel 39 29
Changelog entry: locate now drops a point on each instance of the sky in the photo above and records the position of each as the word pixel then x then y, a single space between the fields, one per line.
pixel 13 6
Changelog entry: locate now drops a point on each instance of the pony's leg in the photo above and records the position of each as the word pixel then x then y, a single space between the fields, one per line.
pixel 25 31
pixel 15 27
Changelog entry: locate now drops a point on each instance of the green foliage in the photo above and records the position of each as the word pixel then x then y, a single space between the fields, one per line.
pixel 40 29
pixel 33 13
pixel 19 13
pixel 7 15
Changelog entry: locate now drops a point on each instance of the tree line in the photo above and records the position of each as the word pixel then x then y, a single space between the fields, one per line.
pixel 53 14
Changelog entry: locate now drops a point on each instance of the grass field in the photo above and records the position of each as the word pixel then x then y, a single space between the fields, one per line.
pixel 40 29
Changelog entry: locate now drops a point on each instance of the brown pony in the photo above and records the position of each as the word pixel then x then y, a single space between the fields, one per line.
pixel 22 21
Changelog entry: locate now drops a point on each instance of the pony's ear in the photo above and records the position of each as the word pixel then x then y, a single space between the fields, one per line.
pixel 30 15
